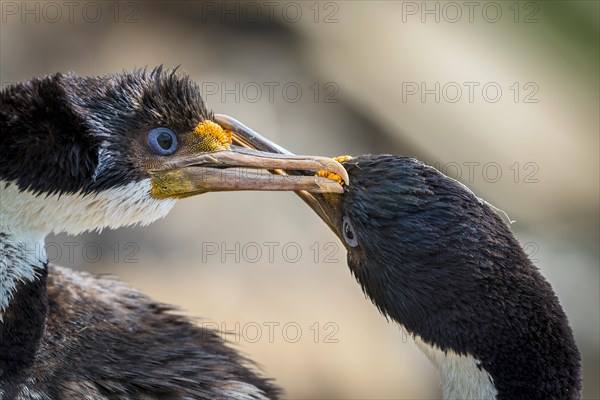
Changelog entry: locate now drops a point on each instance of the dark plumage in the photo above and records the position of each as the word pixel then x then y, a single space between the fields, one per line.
pixel 62 121
pixel 438 260
pixel 85 153
pixel 106 340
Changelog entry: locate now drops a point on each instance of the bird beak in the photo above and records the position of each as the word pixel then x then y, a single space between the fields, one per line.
pixel 245 137
pixel 239 167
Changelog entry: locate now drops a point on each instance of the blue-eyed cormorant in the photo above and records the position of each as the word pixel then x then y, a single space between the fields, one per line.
pixel 83 154
pixel 439 261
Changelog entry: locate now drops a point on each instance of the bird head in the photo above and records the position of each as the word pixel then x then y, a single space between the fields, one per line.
pixel 442 263
pixel 405 227
pixel 438 260
pixel 423 247
pixel 84 153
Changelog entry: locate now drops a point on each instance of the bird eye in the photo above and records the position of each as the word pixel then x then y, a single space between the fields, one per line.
pixel 349 232
pixel 162 141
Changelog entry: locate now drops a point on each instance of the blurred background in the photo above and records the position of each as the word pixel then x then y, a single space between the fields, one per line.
pixel 503 96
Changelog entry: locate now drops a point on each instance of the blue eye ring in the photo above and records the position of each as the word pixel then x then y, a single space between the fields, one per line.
pixel 162 141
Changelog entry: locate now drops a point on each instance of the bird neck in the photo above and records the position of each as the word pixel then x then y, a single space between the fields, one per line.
pixel 22 258
pixel 503 337
pixel 461 376
pixel 78 212
pixel 23 301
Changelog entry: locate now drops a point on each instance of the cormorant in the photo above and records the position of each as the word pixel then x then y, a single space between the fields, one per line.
pixel 440 262
pixel 85 153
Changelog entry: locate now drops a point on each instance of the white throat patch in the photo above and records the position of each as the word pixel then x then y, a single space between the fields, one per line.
pixel 460 376
pixel 20 257
pixel 26 218
pixel 76 213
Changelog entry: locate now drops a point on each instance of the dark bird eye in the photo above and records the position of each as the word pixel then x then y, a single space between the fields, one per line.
pixel 349 232
pixel 162 141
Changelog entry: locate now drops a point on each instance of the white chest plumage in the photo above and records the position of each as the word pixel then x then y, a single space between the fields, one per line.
pixel 20 257
pixel 26 218
pixel 76 213
pixel 460 375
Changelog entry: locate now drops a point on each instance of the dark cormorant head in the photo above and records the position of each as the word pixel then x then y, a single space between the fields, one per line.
pixel 439 261
pixel 83 153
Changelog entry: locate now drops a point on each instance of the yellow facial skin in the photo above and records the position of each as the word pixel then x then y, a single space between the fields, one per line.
pixel 209 163
pixel 332 175
pixel 175 184
pixel 172 184
pixel 331 201
pixel 212 137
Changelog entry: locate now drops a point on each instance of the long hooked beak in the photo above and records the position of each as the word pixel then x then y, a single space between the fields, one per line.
pixel 237 166
pixel 244 136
